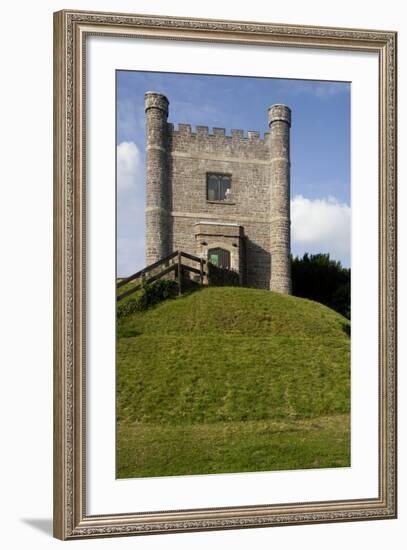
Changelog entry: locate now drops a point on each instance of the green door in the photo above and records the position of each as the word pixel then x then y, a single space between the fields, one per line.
pixel 219 257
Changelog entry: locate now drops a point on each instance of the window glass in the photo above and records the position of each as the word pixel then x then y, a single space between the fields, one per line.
pixel 213 188
pixel 218 187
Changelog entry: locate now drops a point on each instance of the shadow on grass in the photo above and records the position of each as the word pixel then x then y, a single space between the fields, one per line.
pixel 346 328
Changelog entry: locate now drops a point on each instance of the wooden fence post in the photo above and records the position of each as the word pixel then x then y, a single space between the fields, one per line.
pixel 201 271
pixel 179 274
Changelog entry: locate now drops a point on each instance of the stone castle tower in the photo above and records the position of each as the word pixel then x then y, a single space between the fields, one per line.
pixel 223 198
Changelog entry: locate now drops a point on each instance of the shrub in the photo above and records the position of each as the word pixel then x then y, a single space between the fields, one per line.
pixel 149 295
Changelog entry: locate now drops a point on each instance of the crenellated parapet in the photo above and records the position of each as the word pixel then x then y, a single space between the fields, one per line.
pixel 184 138
pixel 188 129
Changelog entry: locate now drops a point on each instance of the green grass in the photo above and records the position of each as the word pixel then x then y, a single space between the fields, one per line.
pixel 125 288
pixel 156 450
pixel 232 379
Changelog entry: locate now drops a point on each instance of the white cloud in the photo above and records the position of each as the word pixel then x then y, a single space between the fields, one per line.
pixel 321 225
pixel 129 166
pixel 130 208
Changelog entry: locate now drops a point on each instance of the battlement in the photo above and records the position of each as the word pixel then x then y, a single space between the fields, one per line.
pixel 182 129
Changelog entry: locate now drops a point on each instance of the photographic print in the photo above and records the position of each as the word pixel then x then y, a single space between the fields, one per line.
pixel 221 189
pixel 233 210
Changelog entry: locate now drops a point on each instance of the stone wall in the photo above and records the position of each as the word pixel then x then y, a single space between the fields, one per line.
pixel 194 154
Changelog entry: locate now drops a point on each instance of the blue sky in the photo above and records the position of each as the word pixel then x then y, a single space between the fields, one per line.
pixel 320 149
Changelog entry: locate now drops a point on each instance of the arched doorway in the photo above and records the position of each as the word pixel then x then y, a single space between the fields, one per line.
pixel 219 257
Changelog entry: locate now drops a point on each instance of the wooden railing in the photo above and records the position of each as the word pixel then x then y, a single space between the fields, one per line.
pixel 177 266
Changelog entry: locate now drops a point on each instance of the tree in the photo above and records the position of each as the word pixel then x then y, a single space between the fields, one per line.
pixel 319 278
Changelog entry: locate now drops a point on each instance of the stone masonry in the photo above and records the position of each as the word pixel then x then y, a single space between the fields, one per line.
pixel 251 224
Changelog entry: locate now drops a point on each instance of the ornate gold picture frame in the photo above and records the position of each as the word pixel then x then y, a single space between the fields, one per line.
pixel 72 518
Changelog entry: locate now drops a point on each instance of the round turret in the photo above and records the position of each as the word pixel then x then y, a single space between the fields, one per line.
pixel 280 246
pixel 157 217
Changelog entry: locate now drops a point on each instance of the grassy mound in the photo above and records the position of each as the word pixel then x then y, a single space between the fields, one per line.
pixel 224 361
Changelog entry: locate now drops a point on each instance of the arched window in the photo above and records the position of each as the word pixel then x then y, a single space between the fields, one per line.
pixel 218 187
pixel 219 257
